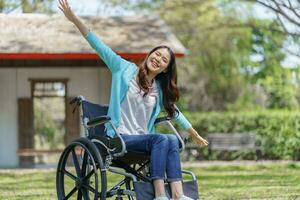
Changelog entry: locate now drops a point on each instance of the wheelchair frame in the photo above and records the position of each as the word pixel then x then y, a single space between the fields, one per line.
pixel 99 155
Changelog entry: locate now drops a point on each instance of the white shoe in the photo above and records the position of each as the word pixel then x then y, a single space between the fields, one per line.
pixel 183 197
pixel 161 198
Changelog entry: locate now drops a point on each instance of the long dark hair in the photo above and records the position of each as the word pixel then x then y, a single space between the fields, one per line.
pixel 167 81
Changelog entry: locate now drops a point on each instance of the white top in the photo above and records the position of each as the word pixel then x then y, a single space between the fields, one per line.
pixel 136 110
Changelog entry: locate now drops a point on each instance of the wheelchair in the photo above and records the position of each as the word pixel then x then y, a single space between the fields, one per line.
pixel 87 163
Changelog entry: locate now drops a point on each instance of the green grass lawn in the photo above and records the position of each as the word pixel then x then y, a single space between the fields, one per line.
pixel 267 181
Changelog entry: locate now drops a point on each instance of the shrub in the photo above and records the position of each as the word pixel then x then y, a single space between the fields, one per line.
pixel 277 131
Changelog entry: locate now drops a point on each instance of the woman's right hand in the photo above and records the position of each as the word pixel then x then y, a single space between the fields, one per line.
pixel 66 9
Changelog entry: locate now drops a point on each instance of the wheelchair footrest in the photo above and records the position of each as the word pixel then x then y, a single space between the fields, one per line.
pixel 145 190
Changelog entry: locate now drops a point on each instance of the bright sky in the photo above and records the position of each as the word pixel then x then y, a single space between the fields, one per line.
pixel 95 7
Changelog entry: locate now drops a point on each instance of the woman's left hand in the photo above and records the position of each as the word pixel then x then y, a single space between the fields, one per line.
pixel 197 139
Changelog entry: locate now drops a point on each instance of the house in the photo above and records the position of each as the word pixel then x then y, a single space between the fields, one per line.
pixel 39 53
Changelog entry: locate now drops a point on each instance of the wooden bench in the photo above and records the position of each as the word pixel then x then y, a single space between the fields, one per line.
pixel 225 142
pixel 37 152
pixel 29 157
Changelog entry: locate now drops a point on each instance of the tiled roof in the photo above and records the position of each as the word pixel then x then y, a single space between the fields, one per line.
pixel 38 33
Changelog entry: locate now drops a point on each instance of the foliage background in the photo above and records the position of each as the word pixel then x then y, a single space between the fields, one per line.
pixel 278 132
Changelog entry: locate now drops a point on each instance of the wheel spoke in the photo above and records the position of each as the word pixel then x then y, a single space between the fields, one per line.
pixel 79 195
pixel 84 164
pixel 88 176
pixel 70 175
pixel 76 163
pixel 89 188
pixel 71 193
pixel 85 194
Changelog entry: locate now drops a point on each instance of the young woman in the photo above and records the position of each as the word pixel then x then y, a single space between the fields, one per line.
pixel 138 94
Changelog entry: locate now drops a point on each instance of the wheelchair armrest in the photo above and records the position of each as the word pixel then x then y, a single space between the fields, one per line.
pixel 161 120
pixel 98 120
pixel 166 120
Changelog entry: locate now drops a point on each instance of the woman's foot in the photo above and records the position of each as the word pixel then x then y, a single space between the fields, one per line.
pixel 161 198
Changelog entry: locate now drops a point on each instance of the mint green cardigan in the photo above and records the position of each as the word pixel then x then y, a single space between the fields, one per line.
pixel 122 72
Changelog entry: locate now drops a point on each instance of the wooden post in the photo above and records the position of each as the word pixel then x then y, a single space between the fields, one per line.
pixel 72 122
pixel 26 130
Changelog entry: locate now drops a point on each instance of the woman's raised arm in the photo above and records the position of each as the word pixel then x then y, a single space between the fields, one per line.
pixel 66 9
pixel 113 61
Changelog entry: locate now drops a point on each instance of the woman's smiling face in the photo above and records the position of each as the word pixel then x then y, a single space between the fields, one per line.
pixel 158 61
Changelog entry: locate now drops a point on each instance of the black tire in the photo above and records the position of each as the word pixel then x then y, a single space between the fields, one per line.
pixel 84 183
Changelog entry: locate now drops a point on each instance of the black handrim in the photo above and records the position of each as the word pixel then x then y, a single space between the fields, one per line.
pixel 84 171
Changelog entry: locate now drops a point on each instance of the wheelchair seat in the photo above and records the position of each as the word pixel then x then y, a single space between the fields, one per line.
pixel 131 157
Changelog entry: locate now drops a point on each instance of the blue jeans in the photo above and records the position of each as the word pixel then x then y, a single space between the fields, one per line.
pixel 164 154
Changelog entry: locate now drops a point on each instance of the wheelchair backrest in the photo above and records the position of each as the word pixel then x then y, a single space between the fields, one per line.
pixel 90 111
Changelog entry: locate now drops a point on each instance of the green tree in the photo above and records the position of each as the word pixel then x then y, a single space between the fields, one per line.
pixel 44 126
pixel 287 14
pixel 210 76
pixel 229 56
pixel 267 70
pixel 26 6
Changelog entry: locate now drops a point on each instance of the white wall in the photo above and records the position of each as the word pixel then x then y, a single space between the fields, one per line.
pixel 8 118
pixel 92 83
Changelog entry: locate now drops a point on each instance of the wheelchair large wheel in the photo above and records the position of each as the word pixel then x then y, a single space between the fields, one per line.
pixel 79 172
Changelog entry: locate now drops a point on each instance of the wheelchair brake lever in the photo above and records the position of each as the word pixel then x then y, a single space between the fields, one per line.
pixel 74 109
pixel 76 106
pixel 73 100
